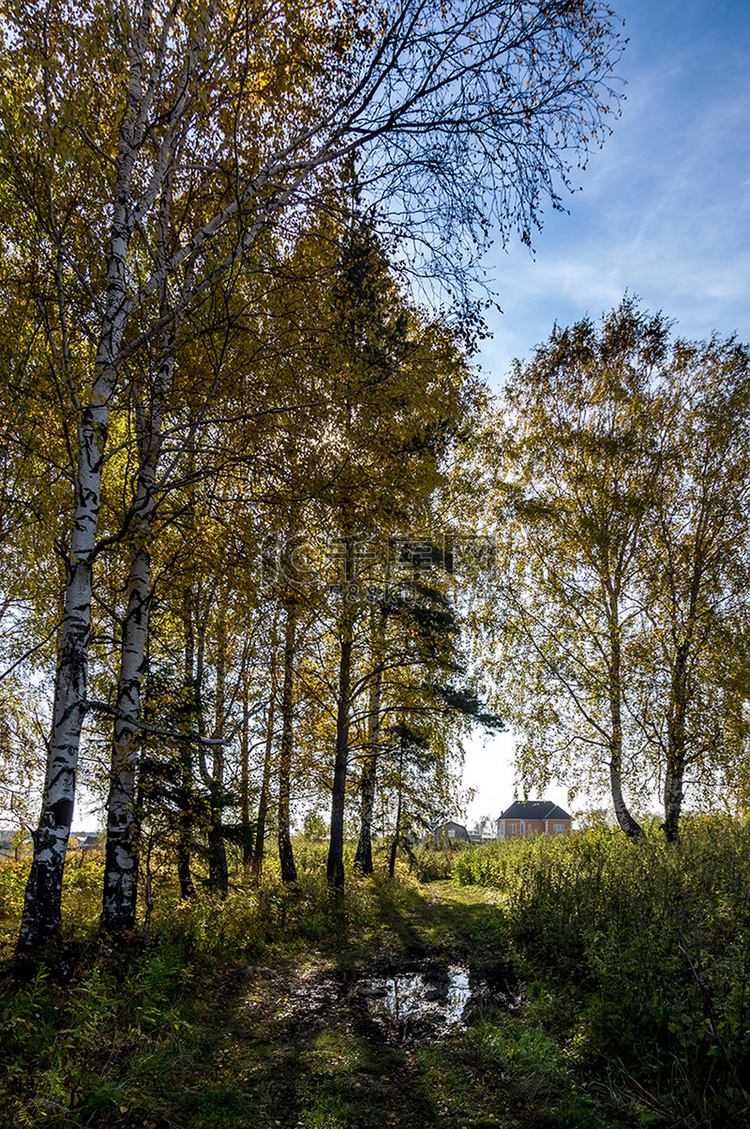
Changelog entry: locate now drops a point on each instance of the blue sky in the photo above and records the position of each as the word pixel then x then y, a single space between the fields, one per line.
pixel 663 212
pixel 664 208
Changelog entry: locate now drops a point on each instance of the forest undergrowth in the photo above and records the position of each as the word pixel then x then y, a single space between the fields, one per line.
pixel 631 964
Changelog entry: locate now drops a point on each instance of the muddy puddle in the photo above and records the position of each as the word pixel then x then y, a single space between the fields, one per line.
pixel 416 1005
pixel 415 1002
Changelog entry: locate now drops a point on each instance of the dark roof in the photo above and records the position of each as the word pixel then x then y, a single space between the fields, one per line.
pixel 534 809
pixel 442 828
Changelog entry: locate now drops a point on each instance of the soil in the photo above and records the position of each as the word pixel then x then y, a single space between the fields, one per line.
pixel 311 1042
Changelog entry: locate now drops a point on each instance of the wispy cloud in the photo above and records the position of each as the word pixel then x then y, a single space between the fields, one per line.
pixel 665 206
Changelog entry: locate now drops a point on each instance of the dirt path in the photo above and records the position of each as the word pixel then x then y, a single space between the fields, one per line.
pixel 306 1044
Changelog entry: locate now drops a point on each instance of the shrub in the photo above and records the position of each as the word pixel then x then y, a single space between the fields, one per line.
pixel 433 863
pixel 653 937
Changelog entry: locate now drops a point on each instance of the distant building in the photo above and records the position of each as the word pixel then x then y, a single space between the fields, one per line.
pixel 478 837
pixel 450 831
pixel 85 841
pixel 532 817
pixel 14 844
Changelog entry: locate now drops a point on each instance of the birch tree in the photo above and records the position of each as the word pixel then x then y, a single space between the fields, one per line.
pixel 695 572
pixel 622 591
pixel 584 459
pixel 460 112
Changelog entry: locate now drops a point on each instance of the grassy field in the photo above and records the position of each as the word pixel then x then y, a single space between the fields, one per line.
pixel 250 1012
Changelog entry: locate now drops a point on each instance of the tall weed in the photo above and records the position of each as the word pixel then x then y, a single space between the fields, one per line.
pixel 653 939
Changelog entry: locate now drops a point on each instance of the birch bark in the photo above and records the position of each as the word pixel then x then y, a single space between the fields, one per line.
pixel 629 825
pixel 676 744
pixel 42 913
pixel 121 869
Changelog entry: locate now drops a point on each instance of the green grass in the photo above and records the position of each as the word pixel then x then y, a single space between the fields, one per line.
pixel 242 1012
pixel 638 958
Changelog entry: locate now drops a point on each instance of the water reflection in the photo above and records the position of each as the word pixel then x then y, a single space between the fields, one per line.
pixel 416 995
pixel 458 995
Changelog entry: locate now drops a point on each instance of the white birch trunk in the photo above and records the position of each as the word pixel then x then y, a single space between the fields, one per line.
pixel 121 868
pixel 625 819
pixel 41 913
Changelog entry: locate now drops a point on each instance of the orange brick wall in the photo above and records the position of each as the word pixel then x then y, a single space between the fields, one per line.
pixel 534 827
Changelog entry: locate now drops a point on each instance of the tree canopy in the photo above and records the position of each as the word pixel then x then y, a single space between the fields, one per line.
pixel 236 504
pixel 624 489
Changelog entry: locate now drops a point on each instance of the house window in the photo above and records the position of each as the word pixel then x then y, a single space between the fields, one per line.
pixel 558 826
pixel 511 828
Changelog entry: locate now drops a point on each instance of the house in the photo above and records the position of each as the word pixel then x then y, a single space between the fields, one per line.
pixel 85 841
pixel 14 844
pixel 476 838
pixel 532 817
pixel 449 832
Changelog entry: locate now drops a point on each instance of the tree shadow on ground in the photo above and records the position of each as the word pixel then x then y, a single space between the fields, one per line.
pixel 306 1055
pixel 462 925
